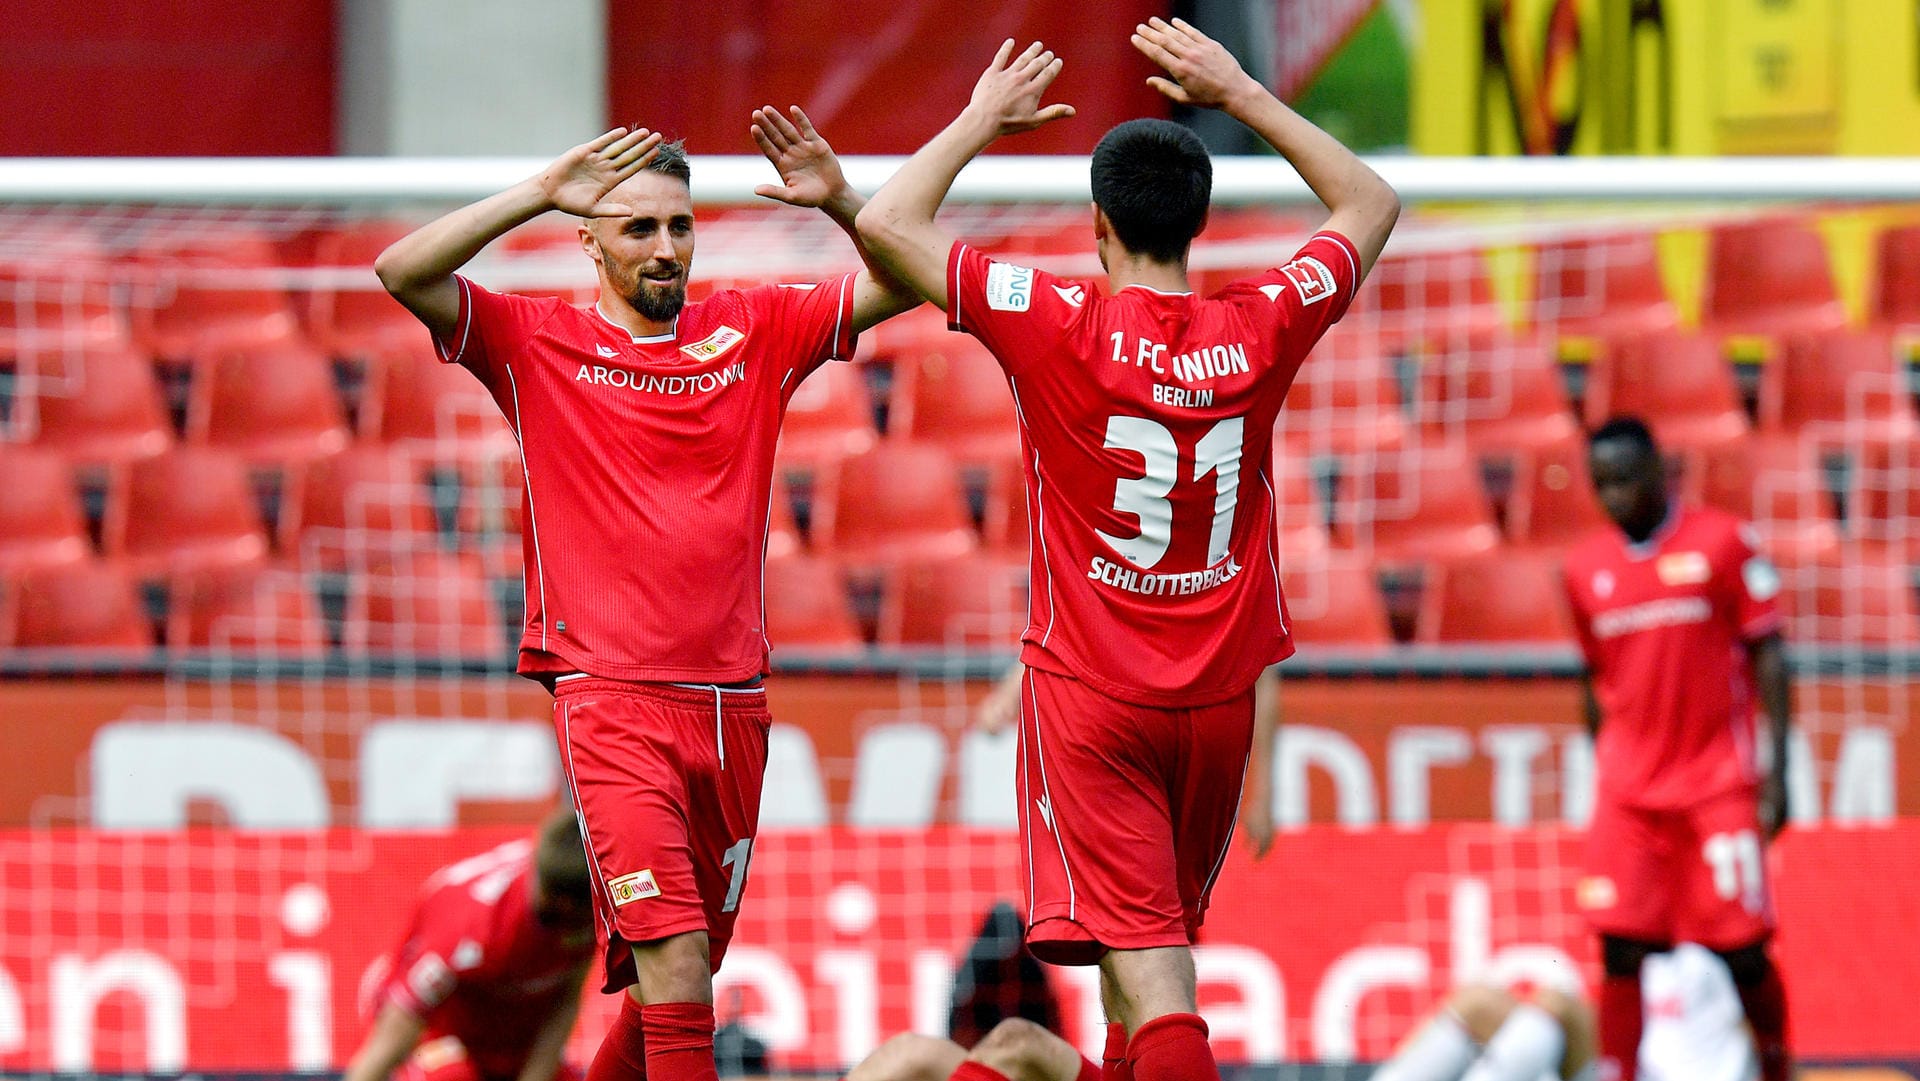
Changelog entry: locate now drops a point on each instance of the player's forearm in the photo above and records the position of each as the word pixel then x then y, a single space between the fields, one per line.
pixel 844 208
pixel 1364 202
pixel 897 224
pixel 395 1033
pixel 432 253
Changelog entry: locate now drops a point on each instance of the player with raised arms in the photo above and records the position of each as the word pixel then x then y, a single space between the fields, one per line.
pixel 1146 421
pixel 646 428
pixel 1677 613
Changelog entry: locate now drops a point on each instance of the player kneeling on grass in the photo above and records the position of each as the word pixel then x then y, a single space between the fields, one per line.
pixel 1146 420
pixel 486 984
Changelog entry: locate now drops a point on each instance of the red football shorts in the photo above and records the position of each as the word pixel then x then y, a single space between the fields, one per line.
pixel 1695 874
pixel 444 1058
pixel 667 782
pixel 1126 814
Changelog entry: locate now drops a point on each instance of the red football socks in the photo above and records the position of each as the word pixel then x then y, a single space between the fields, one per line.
pixel 623 1054
pixel 679 1041
pixel 1172 1048
pixel 1113 1061
pixel 1766 1006
pixel 1620 1023
pixel 975 1071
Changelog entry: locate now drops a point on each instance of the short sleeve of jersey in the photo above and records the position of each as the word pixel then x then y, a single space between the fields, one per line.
pixel 424 972
pixel 1307 295
pixel 490 328
pixel 1013 310
pixel 1749 587
pixel 1576 605
pixel 812 322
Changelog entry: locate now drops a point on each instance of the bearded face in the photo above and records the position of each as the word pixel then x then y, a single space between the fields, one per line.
pixel 645 257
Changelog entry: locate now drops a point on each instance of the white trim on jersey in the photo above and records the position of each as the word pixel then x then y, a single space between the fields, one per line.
pixel 1346 249
pixel 1039 515
pixel 533 521
pixel 1273 559
pixel 651 339
pixel 1046 793
pixel 466 323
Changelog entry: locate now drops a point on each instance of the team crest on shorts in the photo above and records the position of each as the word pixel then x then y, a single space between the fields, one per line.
pixel 714 344
pixel 634 887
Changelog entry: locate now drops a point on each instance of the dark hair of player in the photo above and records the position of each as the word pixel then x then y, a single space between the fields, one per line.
pixel 1153 179
pixel 560 859
pixel 1630 430
pixel 671 159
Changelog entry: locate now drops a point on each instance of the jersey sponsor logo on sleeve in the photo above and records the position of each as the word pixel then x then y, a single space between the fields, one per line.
pixel 714 344
pixel 430 980
pixel 1072 294
pixel 1009 287
pixel 1683 568
pixel 1762 578
pixel 1311 277
pixel 466 956
pixel 634 887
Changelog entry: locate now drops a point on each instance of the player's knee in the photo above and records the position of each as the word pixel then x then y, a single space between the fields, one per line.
pixel 1019 1048
pixel 674 969
pixel 908 1057
pixel 1560 1006
pixel 1748 965
pixel 1480 1010
pixel 1622 957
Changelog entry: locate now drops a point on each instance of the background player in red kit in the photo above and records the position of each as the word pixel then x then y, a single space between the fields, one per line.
pixel 1146 421
pixel 1676 615
pixel 646 429
pixel 486 984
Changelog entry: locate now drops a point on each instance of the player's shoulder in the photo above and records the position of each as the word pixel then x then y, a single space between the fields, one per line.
pixel 1719 531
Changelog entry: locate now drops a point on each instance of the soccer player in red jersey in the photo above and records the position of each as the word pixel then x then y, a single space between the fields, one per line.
pixel 1677 618
pixel 1146 422
pixel 486 984
pixel 646 428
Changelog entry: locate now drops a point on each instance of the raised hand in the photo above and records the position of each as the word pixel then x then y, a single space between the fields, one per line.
pixel 809 173
pixel 1009 91
pixel 578 181
pixel 1204 72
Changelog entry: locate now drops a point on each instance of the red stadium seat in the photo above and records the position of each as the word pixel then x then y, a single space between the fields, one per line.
pixel 1498 392
pixel 1884 504
pixel 363 504
pixel 1848 386
pixel 246 611
pixel 1333 599
pixel 1678 383
pixel 958 398
pixel 1774 483
pixel 1854 596
pixel 89 605
pixel 1429 296
pixel 423 604
pixel 968 602
pixel 1005 527
pixel 273 402
pixel 807 605
pixel 1504 598
pixel 1601 287
pixel 1554 504
pixel 828 418
pixel 210 292
pixel 1770 277
pixel 56 293
pixel 358 318
pixel 1299 519
pixel 899 501
pixel 41 524
pixel 439 408
pixel 1896 297
pixel 1344 400
pixel 1417 506
pixel 923 329
pixel 187 510
pixel 99 406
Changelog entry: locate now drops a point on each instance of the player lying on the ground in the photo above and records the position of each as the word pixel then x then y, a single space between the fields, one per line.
pixel 1694 1031
pixel 486 983
pixel 1015 1050
pixel 646 427
pixel 1146 420
pixel 1678 616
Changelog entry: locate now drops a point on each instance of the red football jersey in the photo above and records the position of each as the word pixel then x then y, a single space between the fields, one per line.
pixel 1665 627
pixel 476 965
pixel 1146 420
pixel 649 469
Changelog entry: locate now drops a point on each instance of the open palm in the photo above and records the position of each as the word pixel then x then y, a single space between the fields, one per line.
pixel 809 172
pixel 578 181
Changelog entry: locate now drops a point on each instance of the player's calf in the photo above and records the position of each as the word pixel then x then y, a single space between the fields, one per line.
pixel 1764 999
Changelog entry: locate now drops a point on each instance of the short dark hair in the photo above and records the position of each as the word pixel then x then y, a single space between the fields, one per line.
pixel 560 858
pixel 671 159
pixel 1631 430
pixel 1153 179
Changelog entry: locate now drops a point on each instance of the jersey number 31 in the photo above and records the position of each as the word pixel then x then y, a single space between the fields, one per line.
pixel 1145 497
